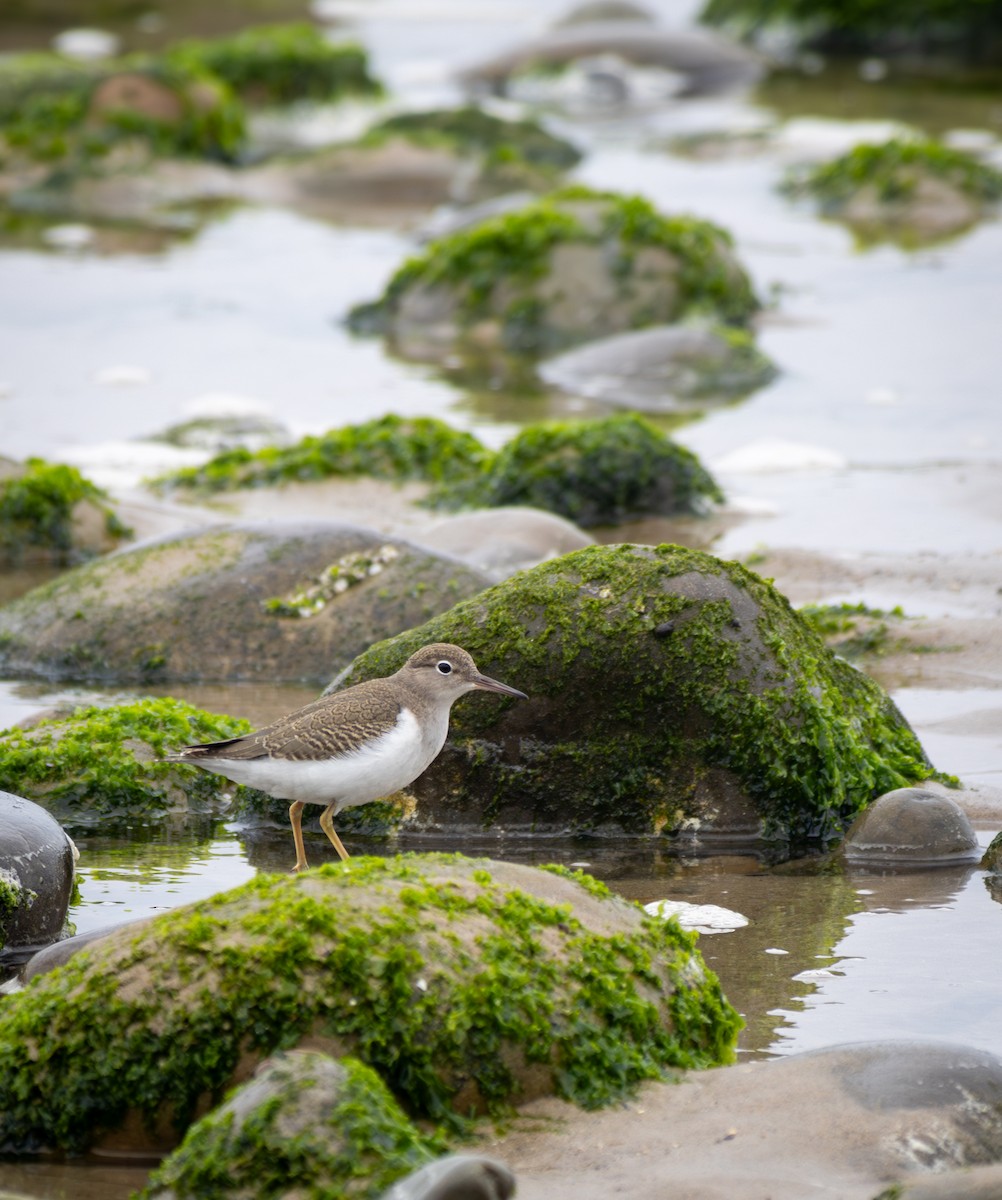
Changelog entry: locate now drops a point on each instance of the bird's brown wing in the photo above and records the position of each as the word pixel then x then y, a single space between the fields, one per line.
pixel 329 726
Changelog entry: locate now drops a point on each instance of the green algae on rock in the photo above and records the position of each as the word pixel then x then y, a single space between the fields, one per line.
pixel 573 265
pixel 911 191
pixel 592 472
pixel 42 508
pixel 390 447
pixel 467 985
pixel 103 764
pixel 323 1126
pixel 14 898
pixel 669 691
pixel 280 64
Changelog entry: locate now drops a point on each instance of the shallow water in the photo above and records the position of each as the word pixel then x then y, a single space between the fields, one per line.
pixel 889 362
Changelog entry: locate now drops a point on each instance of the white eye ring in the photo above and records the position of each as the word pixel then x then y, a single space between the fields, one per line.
pixel 444 667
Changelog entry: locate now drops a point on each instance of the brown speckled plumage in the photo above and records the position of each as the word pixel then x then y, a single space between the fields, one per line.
pixel 354 746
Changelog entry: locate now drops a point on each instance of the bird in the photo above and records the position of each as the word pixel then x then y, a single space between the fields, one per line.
pixel 353 746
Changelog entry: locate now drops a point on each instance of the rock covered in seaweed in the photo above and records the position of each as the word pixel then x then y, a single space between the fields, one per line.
pixel 300 597
pixel 103 765
pixel 574 265
pixel 327 1126
pixel 467 985
pixel 669 691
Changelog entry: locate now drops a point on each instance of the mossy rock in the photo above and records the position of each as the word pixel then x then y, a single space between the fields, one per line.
pixel 103 765
pixel 390 447
pixel 592 472
pixel 323 1126
pixel 574 265
pixel 51 511
pixel 669 692
pixel 467 985
pixel 281 600
pixel 281 64
pixel 72 116
pixel 912 192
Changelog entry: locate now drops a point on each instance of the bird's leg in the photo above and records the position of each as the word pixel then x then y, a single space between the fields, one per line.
pixel 327 825
pixel 296 818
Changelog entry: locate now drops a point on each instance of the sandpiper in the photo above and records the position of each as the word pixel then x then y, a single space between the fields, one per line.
pixel 353 746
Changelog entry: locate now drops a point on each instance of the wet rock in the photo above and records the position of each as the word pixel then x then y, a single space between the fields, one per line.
pixel 456 1177
pixel 912 826
pixel 669 692
pixel 153 612
pixel 49 512
pixel 103 766
pixel 252 431
pixel 664 369
pixel 60 953
pixel 709 61
pixel 149 1029
pixel 992 859
pixel 601 472
pixel 36 875
pixel 351 1137
pixel 910 191
pixel 573 266
pixel 843 1121
pixel 501 541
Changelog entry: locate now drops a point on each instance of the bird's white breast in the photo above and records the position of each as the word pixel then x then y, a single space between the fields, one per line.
pixel 384 765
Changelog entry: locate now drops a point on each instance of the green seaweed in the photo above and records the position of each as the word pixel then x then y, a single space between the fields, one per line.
pixel 494 266
pixel 648 668
pixel 471 130
pixel 390 447
pixel 370 954
pixel 855 630
pixel 13 898
pixel 106 762
pixel 356 1148
pixel 894 168
pixel 592 472
pixel 280 64
pixel 36 508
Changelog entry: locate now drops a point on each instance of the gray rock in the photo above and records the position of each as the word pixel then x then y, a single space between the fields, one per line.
pixel 501 541
pixel 194 605
pixel 456 1177
pixel 709 61
pixel 915 827
pixel 60 953
pixel 663 369
pixel 36 875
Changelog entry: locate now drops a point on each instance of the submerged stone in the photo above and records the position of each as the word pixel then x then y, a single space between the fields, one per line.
pixel 36 874
pixel 154 612
pixel 669 692
pixel 664 369
pixel 467 985
pixel 306 1121
pixel 912 826
pixel 574 265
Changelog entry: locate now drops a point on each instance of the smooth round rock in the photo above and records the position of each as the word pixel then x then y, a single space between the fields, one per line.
pixel 36 857
pixel 912 826
pixel 501 541
pixel 456 1177
pixel 61 952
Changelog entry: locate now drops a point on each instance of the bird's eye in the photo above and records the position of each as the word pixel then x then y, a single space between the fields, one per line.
pixel 444 667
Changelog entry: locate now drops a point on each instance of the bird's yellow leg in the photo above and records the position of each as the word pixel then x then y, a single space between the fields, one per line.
pixel 327 825
pixel 296 818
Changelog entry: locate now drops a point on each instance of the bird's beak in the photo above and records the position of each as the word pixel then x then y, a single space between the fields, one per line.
pixel 492 685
